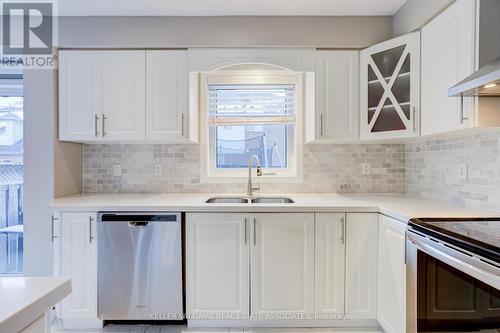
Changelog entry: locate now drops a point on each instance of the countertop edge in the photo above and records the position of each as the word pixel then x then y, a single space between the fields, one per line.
pixel 24 316
pixel 399 207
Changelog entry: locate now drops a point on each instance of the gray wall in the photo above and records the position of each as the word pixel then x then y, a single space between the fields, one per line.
pixel 39 93
pixel 249 31
pixel 415 13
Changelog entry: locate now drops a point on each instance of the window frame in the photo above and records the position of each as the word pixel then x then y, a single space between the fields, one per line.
pixel 209 171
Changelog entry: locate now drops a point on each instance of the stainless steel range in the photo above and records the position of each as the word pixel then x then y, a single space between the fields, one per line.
pixel 453 274
pixel 140 266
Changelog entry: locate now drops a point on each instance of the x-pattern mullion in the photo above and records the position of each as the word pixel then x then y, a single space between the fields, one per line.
pixel 387 86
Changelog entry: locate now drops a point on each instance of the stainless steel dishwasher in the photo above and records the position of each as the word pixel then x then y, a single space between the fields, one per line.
pixel 140 266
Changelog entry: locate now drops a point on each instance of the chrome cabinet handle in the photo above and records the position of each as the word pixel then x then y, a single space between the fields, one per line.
pixel 104 124
pixel 462 111
pixel 182 125
pixel 96 120
pixel 321 124
pixel 414 119
pixel 246 221
pixel 91 219
pixel 406 243
pixel 254 231
pixel 54 219
pixel 342 232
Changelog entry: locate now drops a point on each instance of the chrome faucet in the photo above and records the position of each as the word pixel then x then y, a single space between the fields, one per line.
pixel 250 187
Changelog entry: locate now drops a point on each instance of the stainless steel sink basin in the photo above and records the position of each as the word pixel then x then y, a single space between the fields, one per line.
pixel 242 200
pixel 273 200
pixel 235 200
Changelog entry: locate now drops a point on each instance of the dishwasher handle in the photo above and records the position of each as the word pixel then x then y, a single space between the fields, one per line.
pixel 139 217
pixel 138 224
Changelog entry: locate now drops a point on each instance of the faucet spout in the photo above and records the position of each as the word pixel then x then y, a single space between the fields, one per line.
pixel 250 187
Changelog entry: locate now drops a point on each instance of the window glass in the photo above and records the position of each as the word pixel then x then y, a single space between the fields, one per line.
pixel 251 120
pixel 11 178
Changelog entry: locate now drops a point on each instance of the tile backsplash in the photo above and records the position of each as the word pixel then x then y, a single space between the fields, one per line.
pixel 432 170
pixel 423 169
pixel 326 167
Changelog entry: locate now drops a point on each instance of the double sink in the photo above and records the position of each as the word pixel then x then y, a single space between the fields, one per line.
pixel 243 200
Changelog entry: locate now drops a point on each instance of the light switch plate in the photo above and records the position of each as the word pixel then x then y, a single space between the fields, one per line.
pixel 463 171
pixel 117 170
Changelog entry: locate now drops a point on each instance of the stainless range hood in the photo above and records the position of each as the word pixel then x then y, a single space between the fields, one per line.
pixel 484 82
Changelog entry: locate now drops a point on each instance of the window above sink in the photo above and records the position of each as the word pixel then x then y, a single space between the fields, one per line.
pixel 247 112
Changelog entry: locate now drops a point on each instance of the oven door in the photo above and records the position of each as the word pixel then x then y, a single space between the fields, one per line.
pixel 449 288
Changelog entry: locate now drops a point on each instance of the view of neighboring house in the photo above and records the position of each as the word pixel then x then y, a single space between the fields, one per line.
pixel 11 184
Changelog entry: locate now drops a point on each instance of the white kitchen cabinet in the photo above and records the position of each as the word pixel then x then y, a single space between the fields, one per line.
pixel 282 261
pixel 56 250
pixel 80 95
pixel 390 89
pixel 448 56
pixel 391 301
pixel 123 95
pixel 79 262
pixel 211 59
pixel 217 262
pixel 361 265
pixel 102 96
pixel 337 84
pixel 329 263
pixel 166 95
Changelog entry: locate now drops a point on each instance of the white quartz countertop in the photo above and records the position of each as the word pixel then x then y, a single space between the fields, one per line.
pixel 24 299
pixel 399 207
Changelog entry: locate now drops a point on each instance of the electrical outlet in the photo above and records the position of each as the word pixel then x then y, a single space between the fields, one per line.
pixel 117 170
pixel 463 171
pixel 158 170
pixel 365 168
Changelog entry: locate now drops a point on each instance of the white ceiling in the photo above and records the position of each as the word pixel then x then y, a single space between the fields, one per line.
pixel 228 7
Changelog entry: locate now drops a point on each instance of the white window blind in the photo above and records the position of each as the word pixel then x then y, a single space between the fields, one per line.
pixel 251 104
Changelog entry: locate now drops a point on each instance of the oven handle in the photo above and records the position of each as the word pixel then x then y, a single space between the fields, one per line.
pixel 468 264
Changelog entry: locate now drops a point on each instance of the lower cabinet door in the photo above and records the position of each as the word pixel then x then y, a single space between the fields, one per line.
pixel 361 265
pixel 330 263
pixel 79 262
pixel 217 262
pixel 282 263
pixel 391 304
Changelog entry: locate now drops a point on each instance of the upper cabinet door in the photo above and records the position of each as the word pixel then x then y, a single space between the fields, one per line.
pixel 282 274
pixel 80 95
pixel 391 301
pixel 123 95
pixel 390 89
pixel 166 97
pixel 448 56
pixel 337 115
pixel 217 263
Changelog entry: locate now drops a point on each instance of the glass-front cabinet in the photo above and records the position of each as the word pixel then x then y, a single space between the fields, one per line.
pixel 390 89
